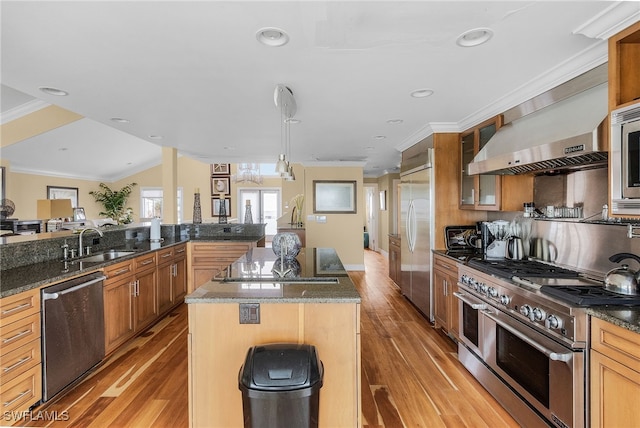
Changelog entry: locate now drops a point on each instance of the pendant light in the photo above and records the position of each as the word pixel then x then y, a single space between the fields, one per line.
pixel 283 98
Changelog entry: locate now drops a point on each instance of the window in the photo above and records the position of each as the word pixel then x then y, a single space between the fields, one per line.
pixel 151 203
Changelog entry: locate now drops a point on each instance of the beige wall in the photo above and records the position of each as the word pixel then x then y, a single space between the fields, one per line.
pixel 385 220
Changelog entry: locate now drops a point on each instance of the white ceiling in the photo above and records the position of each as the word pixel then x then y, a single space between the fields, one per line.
pixel 194 73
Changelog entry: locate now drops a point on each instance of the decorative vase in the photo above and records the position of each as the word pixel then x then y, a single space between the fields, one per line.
pixel 222 212
pixel 286 245
pixel 197 209
pixel 248 217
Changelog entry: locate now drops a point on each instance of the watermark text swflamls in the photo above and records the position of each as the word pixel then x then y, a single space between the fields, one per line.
pixel 41 415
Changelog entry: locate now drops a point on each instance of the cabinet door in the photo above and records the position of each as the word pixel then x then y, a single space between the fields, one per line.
pixel 118 312
pixel 615 389
pixel 179 279
pixel 454 321
pixel 488 186
pixel 440 299
pixel 146 303
pixel 165 287
pixel 467 182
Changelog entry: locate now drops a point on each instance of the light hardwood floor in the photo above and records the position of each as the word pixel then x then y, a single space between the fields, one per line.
pixel 410 373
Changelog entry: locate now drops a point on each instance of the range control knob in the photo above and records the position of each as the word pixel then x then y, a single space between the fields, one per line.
pixel 504 299
pixel 553 322
pixel 493 292
pixel 464 279
pixel 483 287
pixel 538 314
pixel 526 310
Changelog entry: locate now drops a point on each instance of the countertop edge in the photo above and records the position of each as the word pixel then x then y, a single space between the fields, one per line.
pixel 611 315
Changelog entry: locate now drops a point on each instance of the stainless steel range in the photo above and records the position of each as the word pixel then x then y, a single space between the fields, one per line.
pixel 524 335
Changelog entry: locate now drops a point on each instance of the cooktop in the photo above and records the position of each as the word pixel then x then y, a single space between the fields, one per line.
pixel 589 295
pixel 507 268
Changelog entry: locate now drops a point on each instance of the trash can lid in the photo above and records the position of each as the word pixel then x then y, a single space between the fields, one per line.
pixel 281 367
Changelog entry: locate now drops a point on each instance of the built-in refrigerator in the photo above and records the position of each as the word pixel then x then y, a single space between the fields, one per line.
pixel 416 225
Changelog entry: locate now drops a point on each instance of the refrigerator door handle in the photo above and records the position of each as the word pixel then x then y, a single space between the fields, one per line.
pixel 411 226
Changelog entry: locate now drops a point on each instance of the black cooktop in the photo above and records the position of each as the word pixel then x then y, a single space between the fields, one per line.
pixel 506 268
pixel 591 295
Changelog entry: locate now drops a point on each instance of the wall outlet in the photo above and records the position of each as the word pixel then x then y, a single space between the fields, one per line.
pixel 249 313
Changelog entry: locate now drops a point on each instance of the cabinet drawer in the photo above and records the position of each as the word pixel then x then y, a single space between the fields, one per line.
pixel 22 392
pixel 165 256
pixel 616 342
pixel 18 306
pixel 114 272
pixel 145 262
pixel 445 264
pixel 20 333
pixel 15 362
pixel 180 250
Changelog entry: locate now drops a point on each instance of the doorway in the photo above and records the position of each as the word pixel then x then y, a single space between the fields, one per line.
pixel 265 208
pixel 371 221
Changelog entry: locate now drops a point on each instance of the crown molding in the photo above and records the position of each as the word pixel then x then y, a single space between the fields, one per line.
pixel 615 18
pixel 23 110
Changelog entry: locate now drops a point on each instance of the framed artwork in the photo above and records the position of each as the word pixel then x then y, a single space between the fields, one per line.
pixel 58 192
pixel 220 185
pixel 2 186
pixel 334 197
pixel 383 200
pixel 220 169
pixel 215 206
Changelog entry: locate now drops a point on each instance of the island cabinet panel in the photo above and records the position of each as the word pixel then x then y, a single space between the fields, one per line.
pixel 615 375
pixel 218 345
pixel 445 283
pixel 209 258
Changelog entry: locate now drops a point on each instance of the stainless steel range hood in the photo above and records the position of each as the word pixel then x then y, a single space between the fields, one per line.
pixel 561 136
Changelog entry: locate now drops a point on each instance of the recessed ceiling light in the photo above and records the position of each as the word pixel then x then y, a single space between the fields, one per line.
pixel 156 137
pixel 271 36
pixel 292 120
pixel 53 91
pixel 394 121
pixel 474 37
pixel 63 149
pixel 379 137
pixel 369 148
pixel 119 120
pixel 422 93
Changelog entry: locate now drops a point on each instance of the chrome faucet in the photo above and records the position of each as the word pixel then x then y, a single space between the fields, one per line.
pixel 81 249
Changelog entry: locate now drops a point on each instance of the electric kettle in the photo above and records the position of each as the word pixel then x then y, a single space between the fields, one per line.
pixel 515 248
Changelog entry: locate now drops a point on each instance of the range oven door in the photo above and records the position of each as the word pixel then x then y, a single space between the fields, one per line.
pixel 548 375
pixel 471 322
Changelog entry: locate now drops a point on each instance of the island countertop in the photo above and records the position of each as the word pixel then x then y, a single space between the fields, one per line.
pixel 316 276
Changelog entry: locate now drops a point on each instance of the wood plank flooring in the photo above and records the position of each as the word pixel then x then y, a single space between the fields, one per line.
pixel 410 373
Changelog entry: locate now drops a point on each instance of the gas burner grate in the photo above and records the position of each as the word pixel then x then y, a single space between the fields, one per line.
pixel 521 268
pixel 590 295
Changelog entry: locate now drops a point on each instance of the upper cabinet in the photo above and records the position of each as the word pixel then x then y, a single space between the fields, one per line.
pixel 479 192
pixel 624 63
pixel 489 192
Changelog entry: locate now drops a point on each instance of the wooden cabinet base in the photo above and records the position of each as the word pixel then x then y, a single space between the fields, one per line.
pixel 218 345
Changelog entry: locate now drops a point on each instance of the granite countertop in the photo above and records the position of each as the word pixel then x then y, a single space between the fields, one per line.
pixel 25 278
pixel 317 276
pixel 627 317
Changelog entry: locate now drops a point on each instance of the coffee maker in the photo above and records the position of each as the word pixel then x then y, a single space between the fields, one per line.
pixel 494 239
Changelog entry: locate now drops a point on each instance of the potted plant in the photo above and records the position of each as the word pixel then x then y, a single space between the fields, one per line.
pixel 114 202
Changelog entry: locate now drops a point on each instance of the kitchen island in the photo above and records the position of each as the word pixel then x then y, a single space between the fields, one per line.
pixel 316 303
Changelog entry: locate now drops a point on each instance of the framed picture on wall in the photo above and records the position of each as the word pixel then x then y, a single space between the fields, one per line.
pixel 220 185
pixel 334 197
pixel 58 192
pixel 220 169
pixel 215 206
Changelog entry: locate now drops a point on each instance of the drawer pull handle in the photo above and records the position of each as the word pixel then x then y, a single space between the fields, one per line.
pixel 17 308
pixel 180 250
pixel 16 364
pixel 121 271
pixel 166 255
pixel 22 394
pixel 146 262
pixel 17 336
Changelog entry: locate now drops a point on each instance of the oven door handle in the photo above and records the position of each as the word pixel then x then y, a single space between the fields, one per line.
pixel 462 298
pixel 554 356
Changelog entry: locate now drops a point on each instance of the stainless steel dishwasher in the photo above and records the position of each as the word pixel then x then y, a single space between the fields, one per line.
pixel 72 331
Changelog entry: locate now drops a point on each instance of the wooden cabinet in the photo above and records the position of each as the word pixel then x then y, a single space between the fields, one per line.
pixel 489 192
pixel 172 279
pixel 145 291
pixel 394 259
pixel 624 63
pixel 445 283
pixel 208 258
pixel 20 354
pixel 615 375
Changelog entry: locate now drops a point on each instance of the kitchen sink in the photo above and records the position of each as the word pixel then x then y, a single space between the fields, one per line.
pixel 107 255
pixel 286 280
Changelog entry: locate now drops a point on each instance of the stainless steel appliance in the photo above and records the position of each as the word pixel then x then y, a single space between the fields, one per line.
pixel 415 228
pixel 625 165
pixel 526 348
pixel 72 331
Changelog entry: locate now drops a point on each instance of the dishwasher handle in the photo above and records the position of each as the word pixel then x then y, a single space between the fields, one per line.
pixel 52 296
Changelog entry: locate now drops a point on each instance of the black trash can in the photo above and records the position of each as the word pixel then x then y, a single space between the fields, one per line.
pixel 280 386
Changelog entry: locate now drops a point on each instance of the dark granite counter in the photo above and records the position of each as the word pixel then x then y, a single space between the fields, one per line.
pixel 28 277
pixel 622 316
pixel 317 276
